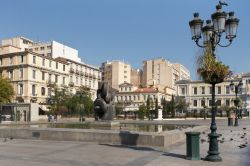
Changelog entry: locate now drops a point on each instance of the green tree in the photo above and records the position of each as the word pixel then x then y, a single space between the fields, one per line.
pixel 58 98
pixel 181 104
pixel 6 90
pixel 142 111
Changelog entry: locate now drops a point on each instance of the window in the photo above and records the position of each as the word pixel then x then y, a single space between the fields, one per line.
pixel 11 75
pixel 20 89
pixel 63 80
pixel 129 98
pixel 36 49
pixel 227 102
pixel 125 71
pixel 43 91
pixel 138 97
pixel 203 90
pixel 71 78
pixel 11 60
pixel 134 97
pixel 21 73
pixel 56 65
pixel 125 98
pixel 34 59
pixel 227 89
pixel 34 74
pixel 219 90
pixel 195 103
pixel 81 81
pixel 210 103
pixel 41 48
pixel 210 90
pixel 21 58
pixel 56 78
pixel 33 90
pixel 203 103
pixel 195 90
pixel 43 75
pixel 63 67
pixel 183 91
pixel 125 76
pixel 1 61
pixel 50 63
pixel 76 80
pixel 43 62
pixel 218 102
pixel 121 97
pixel 49 47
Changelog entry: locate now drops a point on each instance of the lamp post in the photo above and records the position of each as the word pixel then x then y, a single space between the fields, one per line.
pixel 237 89
pixel 204 107
pixel 211 33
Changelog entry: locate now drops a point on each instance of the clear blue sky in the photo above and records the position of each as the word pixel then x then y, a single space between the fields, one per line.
pixel 129 30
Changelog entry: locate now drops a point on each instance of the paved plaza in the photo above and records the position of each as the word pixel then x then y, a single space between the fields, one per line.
pixel 51 153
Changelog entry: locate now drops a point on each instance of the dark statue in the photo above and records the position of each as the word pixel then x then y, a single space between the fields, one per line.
pixel 103 105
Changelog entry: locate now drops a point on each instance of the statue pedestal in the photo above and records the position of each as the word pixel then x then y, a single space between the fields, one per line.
pixel 159 114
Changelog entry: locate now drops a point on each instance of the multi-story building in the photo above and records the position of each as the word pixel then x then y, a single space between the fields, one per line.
pixel 198 94
pixel 51 49
pixel 32 74
pixel 136 77
pixel 130 96
pixel 162 73
pixel 116 73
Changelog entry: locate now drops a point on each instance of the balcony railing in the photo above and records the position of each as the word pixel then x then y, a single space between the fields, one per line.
pixel 71 70
pixel 71 83
pixel 50 83
pixel 77 71
pixel 81 73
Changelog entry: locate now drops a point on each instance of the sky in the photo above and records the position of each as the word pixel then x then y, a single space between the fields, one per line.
pixel 126 30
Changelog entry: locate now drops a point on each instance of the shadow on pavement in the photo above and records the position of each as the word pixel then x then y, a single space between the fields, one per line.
pixel 181 156
pixel 130 147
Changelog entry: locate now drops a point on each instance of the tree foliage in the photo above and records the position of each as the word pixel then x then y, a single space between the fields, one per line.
pixel 6 90
pixel 142 111
pixel 210 69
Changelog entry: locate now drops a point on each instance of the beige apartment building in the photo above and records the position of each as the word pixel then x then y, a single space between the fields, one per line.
pixel 198 94
pixel 116 73
pixel 32 74
pixel 162 73
pixel 136 77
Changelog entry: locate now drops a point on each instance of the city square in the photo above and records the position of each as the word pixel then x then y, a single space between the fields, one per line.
pixel 111 83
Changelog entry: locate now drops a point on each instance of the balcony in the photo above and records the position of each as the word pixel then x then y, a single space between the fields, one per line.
pixel 81 73
pixel 50 83
pixel 71 84
pixel 71 70
pixel 86 74
pixel 77 71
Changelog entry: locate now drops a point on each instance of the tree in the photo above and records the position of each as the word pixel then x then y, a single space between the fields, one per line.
pixel 181 104
pixel 6 90
pixel 58 99
pixel 142 111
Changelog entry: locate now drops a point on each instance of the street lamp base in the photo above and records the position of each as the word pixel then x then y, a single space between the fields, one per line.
pixel 213 158
pixel 213 153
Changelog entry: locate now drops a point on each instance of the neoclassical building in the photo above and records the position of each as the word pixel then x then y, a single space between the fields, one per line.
pixel 198 94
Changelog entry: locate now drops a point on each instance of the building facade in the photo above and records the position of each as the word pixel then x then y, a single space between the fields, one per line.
pixel 32 74
pixel 198 94
pixel 116 73
pixel 162 73
pixel 136 77
pixel 131 97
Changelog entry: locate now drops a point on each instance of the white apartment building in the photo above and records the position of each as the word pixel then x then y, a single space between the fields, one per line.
pixel 197 93
pixel 162 73
pixel 51 49
pixel 116 73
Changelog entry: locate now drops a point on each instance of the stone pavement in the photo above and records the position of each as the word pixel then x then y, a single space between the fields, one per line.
pixel 50 153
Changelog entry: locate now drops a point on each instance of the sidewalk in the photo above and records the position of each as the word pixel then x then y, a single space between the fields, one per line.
pixel 61 153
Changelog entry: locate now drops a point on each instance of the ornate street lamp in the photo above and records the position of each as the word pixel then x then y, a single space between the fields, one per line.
pixel 237 89
pixel 211 33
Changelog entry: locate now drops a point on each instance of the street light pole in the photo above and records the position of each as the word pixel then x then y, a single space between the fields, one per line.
pixel 237 89
pixel 212 33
